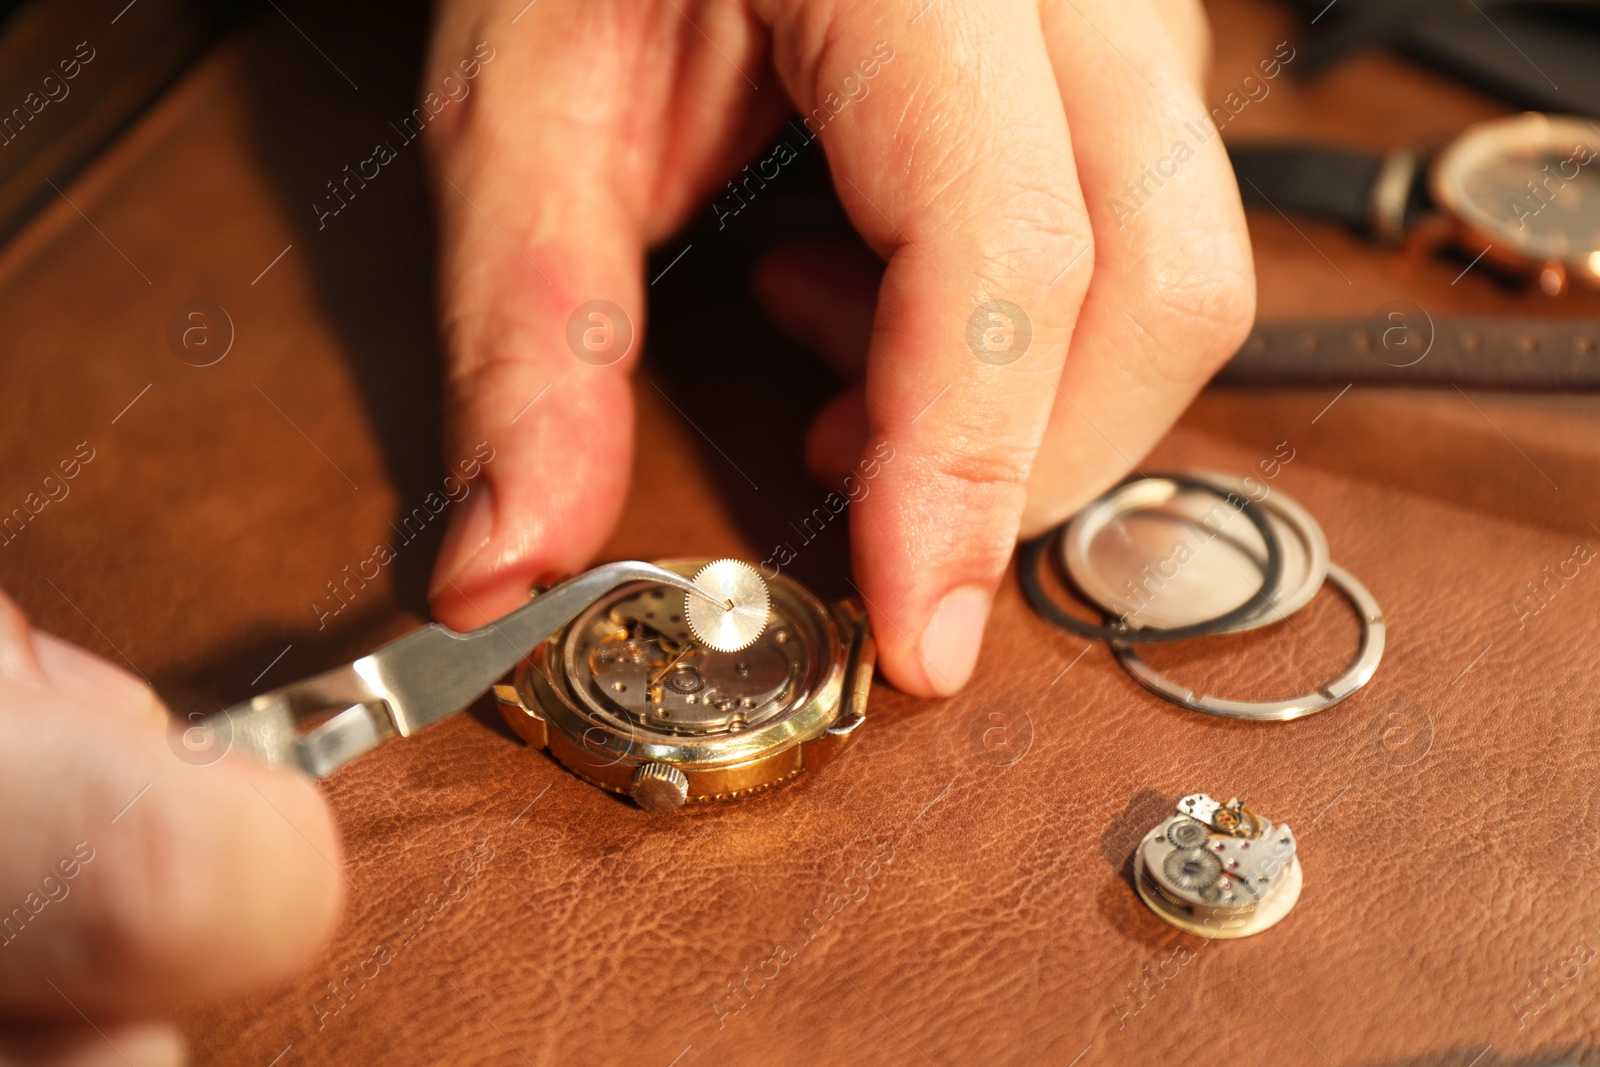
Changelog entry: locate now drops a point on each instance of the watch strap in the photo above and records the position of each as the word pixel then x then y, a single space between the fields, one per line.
pixel 1400 345
pixel 1376 194
pixel 1551 67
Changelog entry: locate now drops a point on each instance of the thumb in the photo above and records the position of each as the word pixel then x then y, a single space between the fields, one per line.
pixel 146 874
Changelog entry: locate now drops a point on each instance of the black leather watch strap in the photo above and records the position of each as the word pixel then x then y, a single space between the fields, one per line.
pixel 1342 184
pixel 1331 182
pixel 1550 67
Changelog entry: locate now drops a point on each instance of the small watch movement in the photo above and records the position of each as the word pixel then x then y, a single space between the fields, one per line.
pixel 1218 870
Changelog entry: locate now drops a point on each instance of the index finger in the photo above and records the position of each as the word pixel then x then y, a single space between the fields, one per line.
pixel 960 173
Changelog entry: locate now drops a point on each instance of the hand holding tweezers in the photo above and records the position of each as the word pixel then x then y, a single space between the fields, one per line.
pixel 411 682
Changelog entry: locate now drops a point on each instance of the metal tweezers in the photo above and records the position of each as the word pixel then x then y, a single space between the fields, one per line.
pixel 411 682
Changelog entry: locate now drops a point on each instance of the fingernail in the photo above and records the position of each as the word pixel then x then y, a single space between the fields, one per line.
pixel 18 661
pixel 950 643
pixel 117 1045
pixel 81 674
pixel 150 1045
pixel 469 531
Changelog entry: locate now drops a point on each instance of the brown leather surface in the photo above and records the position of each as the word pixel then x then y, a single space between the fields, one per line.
pixel 959 911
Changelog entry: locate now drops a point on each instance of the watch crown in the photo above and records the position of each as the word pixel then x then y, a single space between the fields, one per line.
pixel 660 787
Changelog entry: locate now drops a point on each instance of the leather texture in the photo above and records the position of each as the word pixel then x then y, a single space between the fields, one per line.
pixel 942 893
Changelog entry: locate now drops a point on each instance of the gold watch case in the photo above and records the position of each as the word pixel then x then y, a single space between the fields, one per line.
pixel 627 700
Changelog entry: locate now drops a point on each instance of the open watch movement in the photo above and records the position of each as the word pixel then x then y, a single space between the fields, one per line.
pixel 669 700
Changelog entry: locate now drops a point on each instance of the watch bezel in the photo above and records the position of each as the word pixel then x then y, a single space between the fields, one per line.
pixel 1467 151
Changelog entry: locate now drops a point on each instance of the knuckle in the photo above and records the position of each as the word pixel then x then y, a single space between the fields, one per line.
pixel 992 202
pixel 142 914
pixel 488 363
pixel 1201 305
pixel 974 465
pixel 1028 236
pixel 481 372
pixel 988 486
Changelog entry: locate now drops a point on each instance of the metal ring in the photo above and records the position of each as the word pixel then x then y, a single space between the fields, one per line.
pixel 1030 555
pixel 1305 554
pixel 1358 674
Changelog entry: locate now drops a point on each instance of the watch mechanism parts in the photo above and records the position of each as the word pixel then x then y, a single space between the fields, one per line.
pixel 1173 557
pixel 745 606
pixel 668 700
pixel 1218 870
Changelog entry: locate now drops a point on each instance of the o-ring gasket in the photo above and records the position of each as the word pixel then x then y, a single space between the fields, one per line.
pixel 1271 576
pixel 1358 674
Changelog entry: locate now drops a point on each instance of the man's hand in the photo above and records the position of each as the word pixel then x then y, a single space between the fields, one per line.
pixel 132 879
pixel 977 149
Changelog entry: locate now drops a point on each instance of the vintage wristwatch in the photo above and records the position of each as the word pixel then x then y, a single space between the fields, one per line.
pixel 676 683
pixel 1523 191
pixel 630 697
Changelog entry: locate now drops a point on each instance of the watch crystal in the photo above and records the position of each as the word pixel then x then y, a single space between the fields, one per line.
pixel 1529 183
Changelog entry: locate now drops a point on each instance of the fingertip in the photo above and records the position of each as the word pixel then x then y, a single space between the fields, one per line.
pixel 75 672
pixel 170 875
pixel 771 278
pixel 479 599
pixel 954 634
pixel 303 914
pixel 18 660
pixel 929 583
pixel 553 492
pixel 822 294
pixel 268 891
pixel 468 535
pixel 217 879
pixel 142 1044
pixel 492 556
pixel 491 559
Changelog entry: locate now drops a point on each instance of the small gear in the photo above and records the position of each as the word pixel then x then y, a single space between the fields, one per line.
pixel 1211 869
pixel 1191 869
pixel 738 612
pixel 1187 833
